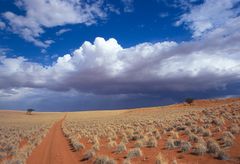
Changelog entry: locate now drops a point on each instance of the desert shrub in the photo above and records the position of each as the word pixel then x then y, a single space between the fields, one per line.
pixel 188 123
pixel 234 129
pixel 14 161
pixel 177 142
pixel 124 139
pixel 213 146
pixel 228 134
pixel 136 152
pixel 201 140
pixel 200 130
pixel 160 159
pixel 187 131
pixel 194 129
pixel 180 128
pixel 175 135
pixel 217 129
pixel 199 149
pixel 152 142
pixel 218 121
pixel 157 135
pixel 104 160
pixel 135 137
pixel 207 132
pixel 193 137
pixel 95 140
pixel 77 146
pixel 121 148
pixel 185 146
pixel 222 155
pixel 88 154
pixel 96 147
pixel 112 144
pixel 170 144
pixel 227 138
pixel 227 141
pixel 139 143
pixel 2 154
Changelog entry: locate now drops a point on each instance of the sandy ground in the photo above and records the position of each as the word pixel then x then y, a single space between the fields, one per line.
pixel 54 149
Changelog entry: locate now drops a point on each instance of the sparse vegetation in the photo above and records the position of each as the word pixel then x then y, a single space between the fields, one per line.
pixel 16 128
pixel 213 147
pixel 170 144
pixel 133 153
pixel 104 160
pixel 208 130
pixel 185 146
pixel 199 149
pixel 121 148
pixel 88 155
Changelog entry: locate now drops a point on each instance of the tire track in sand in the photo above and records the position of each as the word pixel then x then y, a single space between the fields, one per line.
pixel 54 148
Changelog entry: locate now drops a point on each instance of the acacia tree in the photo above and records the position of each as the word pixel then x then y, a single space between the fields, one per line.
pixel 29 111
pixel 189 100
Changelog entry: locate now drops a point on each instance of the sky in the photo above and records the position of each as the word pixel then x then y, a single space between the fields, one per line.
pixel 69 55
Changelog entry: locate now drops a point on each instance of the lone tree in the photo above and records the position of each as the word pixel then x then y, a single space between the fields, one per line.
pixel 189 100
pixel 29 111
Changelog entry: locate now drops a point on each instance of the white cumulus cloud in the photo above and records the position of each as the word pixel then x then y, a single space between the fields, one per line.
pixel 210 16
pixel 42 14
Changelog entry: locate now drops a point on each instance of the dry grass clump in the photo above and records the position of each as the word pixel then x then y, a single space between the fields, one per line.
pixel 193 137
pixel 207 133
pixel 218 121
pixel 157 134
pixel 145 129
pixel 124 139
pixel 187 131
pixel 213 147
pixel 121 148
pixel 139 143
pixel 112 144
pixel 96 147
pixel 199 149
pixel 175 135
pixel 16 127
pixel 104 160
pixel 160 159
pixel 170 144
pixel 227 138
pixel 77 146
pixel 235 129
pixel 133 153
pixel 185 146
pixel 221 155
pixel 152 142
pixel 227 141
pixel 88 154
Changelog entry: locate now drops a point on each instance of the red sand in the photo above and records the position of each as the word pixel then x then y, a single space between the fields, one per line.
pixel 54 149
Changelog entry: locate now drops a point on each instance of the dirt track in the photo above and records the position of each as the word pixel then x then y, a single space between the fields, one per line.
pixel 54 149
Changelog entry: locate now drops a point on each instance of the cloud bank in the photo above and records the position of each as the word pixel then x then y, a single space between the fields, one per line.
pixel 104 72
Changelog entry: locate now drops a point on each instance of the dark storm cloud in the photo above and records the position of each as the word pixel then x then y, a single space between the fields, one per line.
pixel 104 72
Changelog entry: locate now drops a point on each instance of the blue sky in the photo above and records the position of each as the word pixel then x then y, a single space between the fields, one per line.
pixel 148 21
pixel 73 55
